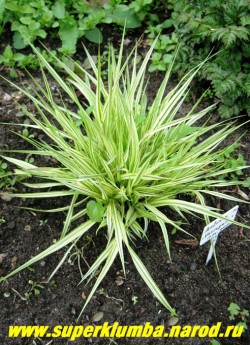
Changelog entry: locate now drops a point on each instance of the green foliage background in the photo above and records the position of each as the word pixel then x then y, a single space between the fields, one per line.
pixel 217 26
pixel 68 20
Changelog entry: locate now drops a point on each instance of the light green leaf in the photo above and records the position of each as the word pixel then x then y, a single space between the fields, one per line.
pixel 55 24
pixel 94 35
pixel 167 23
pixel 58 9
pixel 48 15
pixel 95 211
pixel 42 33
pixel 234 309
pixel 8 53
pixel 243 324
pixel 122 15
pixel 68 33
pixel 167 58
pixel 183 131
pixel 13 73
pixel 139 119
pixel 4 166
pixel 12 7
pixel 18 41
pixel 156 56
pixel 245 20
pixel 2 3
pixel 26 20
pixel 215 342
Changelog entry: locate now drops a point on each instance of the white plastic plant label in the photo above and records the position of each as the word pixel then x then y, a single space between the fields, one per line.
pixel 212 230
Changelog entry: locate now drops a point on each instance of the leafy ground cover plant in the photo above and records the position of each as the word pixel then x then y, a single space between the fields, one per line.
pixel 222 26
pixel 18 60
pixel 121 159
pixel 67 21
pixel 7 179
pixel 38 19
pixel 230 159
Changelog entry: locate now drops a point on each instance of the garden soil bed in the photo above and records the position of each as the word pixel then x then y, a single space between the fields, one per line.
pixel 194 289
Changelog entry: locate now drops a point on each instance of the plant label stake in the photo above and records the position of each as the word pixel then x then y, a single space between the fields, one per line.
pixel 212 230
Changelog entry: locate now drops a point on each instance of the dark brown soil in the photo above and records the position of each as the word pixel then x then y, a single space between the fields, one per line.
pixel 195 290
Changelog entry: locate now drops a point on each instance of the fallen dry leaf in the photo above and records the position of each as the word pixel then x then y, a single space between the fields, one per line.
pixel 6 98
pixel 97 316
pixel 192 242
pixel 242 194
pixel 6 196
pixel 2 257
pixel 13 262
pixel 119 281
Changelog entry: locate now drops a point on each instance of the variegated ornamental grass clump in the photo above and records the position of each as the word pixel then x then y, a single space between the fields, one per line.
pixel 121 159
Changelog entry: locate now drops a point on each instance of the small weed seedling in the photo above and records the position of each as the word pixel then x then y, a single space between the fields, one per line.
pixel 35 289
pixel 231 160
pixel 134 299
pixel 237 314
pixel 7 179
pixel 2 220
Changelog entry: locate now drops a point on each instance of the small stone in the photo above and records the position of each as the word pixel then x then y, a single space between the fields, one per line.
pixel 97 316
pixel 42 263
pixel 27 227
pixel 2 257
pixel 6 196
pixel 6 98
pixel 173 321
pixel 193 266
pixel 126 42
pixel 119 281
pixel 183 266
pixel 11 225
pixel 53 86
